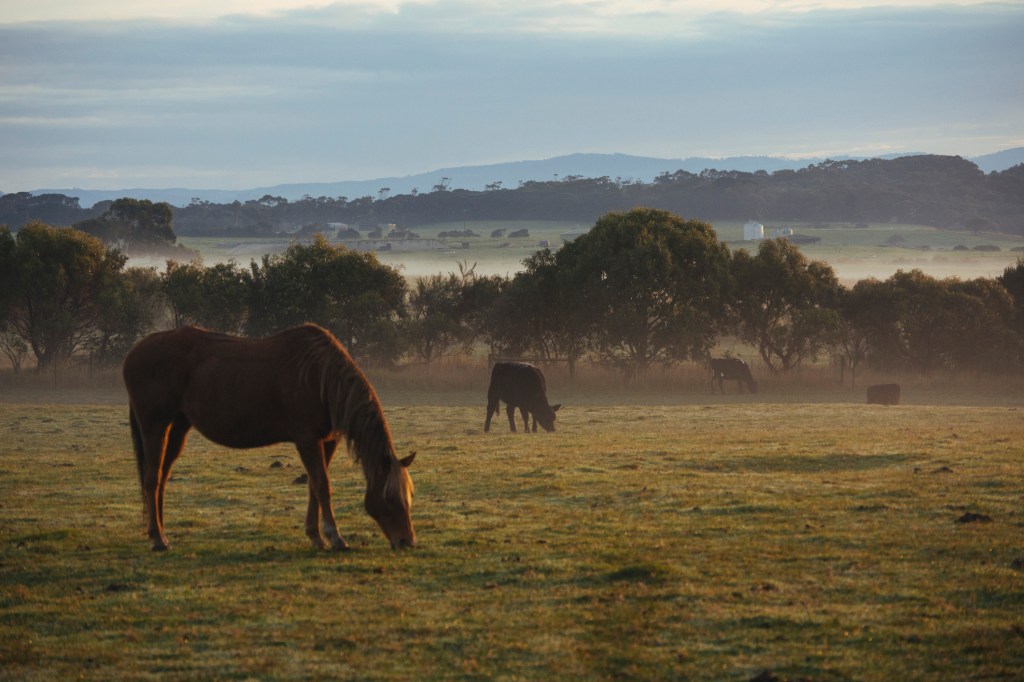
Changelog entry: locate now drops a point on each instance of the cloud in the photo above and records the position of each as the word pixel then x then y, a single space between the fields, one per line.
pixel 454 15
pixel 349 91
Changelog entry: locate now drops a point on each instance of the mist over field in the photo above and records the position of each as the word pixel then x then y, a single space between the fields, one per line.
pixel 853 253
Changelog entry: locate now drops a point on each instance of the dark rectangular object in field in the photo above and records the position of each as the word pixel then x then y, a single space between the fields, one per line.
pixel 884 394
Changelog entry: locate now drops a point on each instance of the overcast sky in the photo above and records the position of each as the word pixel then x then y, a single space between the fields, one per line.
pixel 136 93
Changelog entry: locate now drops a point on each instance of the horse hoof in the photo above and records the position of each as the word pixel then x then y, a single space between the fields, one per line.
pixel 161 546
pixel 339 545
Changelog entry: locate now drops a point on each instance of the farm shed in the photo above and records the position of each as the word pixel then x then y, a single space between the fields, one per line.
pixel 753 231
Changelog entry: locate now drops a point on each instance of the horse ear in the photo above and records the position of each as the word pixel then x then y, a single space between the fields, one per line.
pixel 556 408
pixel 406 461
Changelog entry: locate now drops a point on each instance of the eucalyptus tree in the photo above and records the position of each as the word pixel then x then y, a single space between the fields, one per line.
pixel 214 297
pixel 59 280
pixel 436 326
pixel 648 286
pixel 352 294
pixel 922 323
pixel 786 305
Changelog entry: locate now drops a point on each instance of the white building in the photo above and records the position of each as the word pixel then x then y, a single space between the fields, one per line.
pixel 753 231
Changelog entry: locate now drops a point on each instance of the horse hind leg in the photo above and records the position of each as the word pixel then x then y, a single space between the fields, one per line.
pixel 316 457
pixel 151 444
pixel 176 437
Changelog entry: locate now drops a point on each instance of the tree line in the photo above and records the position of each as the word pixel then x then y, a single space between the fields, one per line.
pixel 642 289
pixel 943 191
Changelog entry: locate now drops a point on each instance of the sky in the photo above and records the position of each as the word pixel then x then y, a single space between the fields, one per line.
pixel 251 93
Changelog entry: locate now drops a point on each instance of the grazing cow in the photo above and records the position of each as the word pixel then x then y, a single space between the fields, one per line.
pixel 520 385
pixel 732 369
pixel 884 394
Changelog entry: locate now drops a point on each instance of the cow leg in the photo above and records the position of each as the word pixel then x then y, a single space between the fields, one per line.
pixel 313 507
pixel 510 410
pixel 535 423
pixel 526 419
pixel 315 456
pixel 492 409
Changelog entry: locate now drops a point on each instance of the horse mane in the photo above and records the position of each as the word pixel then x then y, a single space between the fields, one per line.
pixel 355 411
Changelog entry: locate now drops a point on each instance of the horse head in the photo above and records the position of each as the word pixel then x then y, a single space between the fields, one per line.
pixel 389 502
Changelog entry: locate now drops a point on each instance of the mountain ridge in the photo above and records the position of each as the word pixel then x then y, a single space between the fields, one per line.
pixel 624 167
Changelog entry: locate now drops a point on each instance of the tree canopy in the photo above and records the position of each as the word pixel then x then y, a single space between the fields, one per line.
pixel 60 279
pixel 649 285
pixel 786 306
pixel 643 288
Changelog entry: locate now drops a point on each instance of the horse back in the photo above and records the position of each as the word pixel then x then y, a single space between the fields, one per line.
pixel 237 392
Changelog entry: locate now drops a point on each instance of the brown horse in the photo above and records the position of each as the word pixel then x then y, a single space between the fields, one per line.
pixel 299 386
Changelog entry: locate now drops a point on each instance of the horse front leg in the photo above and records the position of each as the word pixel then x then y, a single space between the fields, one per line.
pixel 313 520
pixel 316 458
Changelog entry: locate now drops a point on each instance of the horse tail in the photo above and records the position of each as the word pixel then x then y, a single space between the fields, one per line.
pixel 139 454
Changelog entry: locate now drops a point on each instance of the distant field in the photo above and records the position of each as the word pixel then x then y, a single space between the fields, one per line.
pixel 854 253
pixel 709 538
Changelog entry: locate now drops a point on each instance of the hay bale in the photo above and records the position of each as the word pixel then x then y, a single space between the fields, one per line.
pixel 884 394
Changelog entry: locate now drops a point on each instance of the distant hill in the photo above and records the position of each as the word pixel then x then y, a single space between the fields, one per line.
pixel 1000 161
pixel 942 191
pixel 510 175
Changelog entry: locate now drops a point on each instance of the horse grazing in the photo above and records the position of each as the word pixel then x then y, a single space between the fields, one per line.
pixel 520 385
pixel 732 369
pixel 299 386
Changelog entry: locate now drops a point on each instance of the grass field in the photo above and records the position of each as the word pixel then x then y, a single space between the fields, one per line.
pixel 653 537
pixel 854 253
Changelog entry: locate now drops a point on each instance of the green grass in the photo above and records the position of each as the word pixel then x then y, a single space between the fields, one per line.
pixel 699 539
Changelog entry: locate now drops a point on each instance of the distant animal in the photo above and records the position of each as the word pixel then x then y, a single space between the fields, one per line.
pixel 733 369
pixel 520 385
pixel 884 394
pixel 299 386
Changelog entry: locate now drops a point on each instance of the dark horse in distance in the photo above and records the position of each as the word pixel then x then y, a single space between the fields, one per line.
pixel 520 385
pixel 733 369
pixel 299 386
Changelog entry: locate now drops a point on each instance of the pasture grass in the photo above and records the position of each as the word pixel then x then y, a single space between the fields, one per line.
pixel 707 539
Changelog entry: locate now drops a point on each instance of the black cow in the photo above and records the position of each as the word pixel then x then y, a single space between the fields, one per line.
pixel 732 369
pixel 520 385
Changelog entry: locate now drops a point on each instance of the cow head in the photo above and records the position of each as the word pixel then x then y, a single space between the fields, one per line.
pixel 546 417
